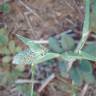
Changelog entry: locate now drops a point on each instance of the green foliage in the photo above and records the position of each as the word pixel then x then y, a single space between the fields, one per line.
pixel 4 50
pixel 83 72
pixel 3 78
pixel 63 68
pixel 7 49
pixel 28 57
pixel 5 8
pixel 36 48
pixel 6 59
pixel 17 49
pixel 54 45
pixel 38 53
pixel 90 49
pixel 85 66
pixel 67 42
pixel 81 55
pixel 75 76
pixel 25 89
pixel 11 46
pixel 3 37
pixel 8 78
pixel 88 77
pixel 93 18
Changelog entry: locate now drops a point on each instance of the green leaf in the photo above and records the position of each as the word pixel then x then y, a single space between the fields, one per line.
pixel 63 68
pixel 93 18
pixel 88 77
pixel 24 57
pixel 12 76
pixel 90 49
pixel 25 89
pixel 18 49
pixel 2 31
pixel 81 55
pixel 28 57
pixel 67 42
pixel 55 45
pixel 33 46
pixel 46 57
pixel 4 51
pixel 11 46
pixel 85 66
pixel 85 31
pixel 5 8
pixel 3 78
pixel 6 59
pixel 75 76
pixel 87 18
pixel 3 39
pixel 20 67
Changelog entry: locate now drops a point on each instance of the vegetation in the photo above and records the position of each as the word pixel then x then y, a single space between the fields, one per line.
pixel 75 60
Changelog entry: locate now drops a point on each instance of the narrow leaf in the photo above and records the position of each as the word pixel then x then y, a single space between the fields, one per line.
pixel 81 55
pixel 37 48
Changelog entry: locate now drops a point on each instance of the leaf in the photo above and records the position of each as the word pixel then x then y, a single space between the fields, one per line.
pixel 75 76
pixel 86 19
pixel 36 48
pixel 85 66
pixel 3 40
pixel 5 8
pixel 93 18
pixel 2 31
pixel 67 42
pixel 4 51
pixel 46 57
pixel 88 77
pixel 85 32
pixel 20 67
pixel 55 45
pixel 90 49
pixel 81 55
pixel 13 75
pixel 63 68
pixel 25 89
pixel 3 78
pixel 17 49
pixel 28 57
pixel 24 57
pixel 6 59
pixel 11 46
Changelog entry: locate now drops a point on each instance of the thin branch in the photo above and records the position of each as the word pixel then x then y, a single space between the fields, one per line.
pixel 50 78
pixel 84 90
pixel 46 41
pixel 21 81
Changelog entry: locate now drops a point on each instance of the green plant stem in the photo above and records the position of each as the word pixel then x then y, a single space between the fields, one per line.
pixel 85 33
pixel 33 73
